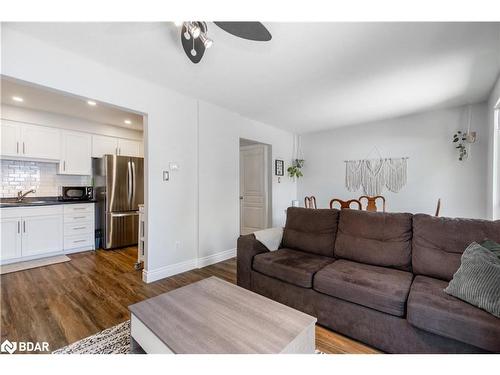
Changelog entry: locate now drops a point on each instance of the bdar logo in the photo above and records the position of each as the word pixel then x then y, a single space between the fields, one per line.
pixel 8 347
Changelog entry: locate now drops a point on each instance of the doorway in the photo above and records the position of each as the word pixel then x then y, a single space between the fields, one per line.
pixel 255 186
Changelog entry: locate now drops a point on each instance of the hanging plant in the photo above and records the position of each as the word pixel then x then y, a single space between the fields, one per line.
pixel 460 138
pixel 295 169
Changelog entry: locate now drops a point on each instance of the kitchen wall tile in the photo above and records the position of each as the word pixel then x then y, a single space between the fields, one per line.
pixel 25 175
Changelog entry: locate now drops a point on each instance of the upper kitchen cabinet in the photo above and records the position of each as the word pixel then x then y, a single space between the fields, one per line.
pixel 25 141
pixel 128 147
pixel 103 145
pixel 76 153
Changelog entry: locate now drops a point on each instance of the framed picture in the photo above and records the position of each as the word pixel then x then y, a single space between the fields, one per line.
pixel 279 167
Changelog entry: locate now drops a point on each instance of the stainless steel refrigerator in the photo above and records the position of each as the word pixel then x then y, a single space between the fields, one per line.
pixel 119 189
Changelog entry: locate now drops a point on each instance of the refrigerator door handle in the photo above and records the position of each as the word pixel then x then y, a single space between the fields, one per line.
pixel 124 214
pixel 133 184
pixel 129 183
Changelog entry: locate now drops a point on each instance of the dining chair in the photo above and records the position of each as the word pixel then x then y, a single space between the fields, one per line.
pixel 345 204
pixel 310 202
pixel 371 202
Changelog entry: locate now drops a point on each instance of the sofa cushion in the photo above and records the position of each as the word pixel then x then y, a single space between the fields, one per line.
pixel 431 309
pixel 380 288
pixel 312 231
pixel 477 281
pixel 292 266
pixel 380 239
pixel 438 242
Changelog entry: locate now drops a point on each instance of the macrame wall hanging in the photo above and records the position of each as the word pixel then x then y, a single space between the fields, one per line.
pixel 375 174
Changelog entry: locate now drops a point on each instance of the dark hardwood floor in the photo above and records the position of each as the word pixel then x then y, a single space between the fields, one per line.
pixel 66 302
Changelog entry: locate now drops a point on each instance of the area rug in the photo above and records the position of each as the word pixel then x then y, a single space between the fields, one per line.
pixel 21 266
pixel 114 340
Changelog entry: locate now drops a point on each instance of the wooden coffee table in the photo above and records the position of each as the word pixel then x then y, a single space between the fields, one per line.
pixel 214 316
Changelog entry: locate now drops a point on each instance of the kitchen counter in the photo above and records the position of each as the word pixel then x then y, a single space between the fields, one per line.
pixel 37 201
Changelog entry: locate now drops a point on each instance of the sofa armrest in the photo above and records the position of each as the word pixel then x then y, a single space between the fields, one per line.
pixel 246 249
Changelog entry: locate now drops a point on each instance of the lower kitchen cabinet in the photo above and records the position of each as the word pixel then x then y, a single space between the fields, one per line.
pixel 11 238
pixel 42 234
pixel 36 232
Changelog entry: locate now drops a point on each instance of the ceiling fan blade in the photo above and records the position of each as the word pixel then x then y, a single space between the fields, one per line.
pixel 246 30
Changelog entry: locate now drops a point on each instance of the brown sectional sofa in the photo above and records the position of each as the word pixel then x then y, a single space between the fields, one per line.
pixel 375 277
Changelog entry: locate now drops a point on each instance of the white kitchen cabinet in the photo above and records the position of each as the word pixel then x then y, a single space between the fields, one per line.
pixel 25 141
pixel 11 238
pixel 76 153
pixel 40 142
pixel 11 138
pixel 104 145
pixel 79 227
pixel 31 232
pixel 128 147
pixel 42 234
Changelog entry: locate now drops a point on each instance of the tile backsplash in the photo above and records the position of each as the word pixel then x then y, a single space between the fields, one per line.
pixel 25 175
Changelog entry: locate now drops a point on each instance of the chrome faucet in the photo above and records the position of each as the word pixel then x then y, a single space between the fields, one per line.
pixel 21 196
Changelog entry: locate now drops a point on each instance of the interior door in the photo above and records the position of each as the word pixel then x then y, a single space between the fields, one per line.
pixel 118 183
pixel 253 188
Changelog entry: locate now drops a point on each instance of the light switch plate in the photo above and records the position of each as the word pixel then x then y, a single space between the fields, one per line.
pixel 166 176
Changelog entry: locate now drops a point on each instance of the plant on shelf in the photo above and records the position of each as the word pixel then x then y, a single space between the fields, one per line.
pixel 460 138
pixel 295 169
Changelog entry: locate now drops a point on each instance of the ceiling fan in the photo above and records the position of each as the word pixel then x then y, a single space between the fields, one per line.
pixel 195 40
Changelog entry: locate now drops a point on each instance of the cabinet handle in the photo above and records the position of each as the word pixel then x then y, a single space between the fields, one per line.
pixel 79 208
pixel 78 217
pixel 17 147
pixel 18 227
pixel 24 151
pixel 77 228
pixel 64 165
pixel 79 241
pixel 116 150
pixel 24 226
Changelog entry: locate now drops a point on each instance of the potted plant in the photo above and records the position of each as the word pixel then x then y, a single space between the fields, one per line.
pixel 460 138
pixel 295 169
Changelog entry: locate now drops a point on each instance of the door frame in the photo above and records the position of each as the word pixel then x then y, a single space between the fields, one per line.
pixel 267 173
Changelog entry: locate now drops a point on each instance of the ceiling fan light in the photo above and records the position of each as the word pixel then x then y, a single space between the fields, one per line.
pixel 207 42
pixel 194 29
pixel 187 36
pixel 193 52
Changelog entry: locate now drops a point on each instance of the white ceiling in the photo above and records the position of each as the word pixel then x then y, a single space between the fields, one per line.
pixel 310 76
pixel 48 100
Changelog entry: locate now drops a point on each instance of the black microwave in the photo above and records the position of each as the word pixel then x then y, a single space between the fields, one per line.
pixel 77 193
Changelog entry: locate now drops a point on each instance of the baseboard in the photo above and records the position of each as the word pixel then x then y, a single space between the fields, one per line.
pixel 148 276
pixel 216 258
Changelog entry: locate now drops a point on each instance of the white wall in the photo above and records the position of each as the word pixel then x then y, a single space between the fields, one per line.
pixel 493 155
pixel 31 116
pixel 219 133
pixel 171 135
pixel 433 171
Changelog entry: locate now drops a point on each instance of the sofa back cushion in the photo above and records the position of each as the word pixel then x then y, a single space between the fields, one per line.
pixel 438 242
pixel 380 239
pixel 311 230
